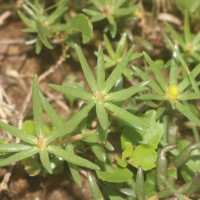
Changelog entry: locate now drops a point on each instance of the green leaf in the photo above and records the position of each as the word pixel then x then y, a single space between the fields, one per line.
pixel 185 110
pixel 128 150
pixel 153 84
pixel 18 156
pixel 176 35
pixel 73 90
pixel 156 71
pixel 153 132
pixel 116 73
pixel 159 97
pixel 121 45
pixel 38 45
pixel 125 116
pixel 189 96
pixel 99 152
pixel 90 137
pixel 44 157
pixel 97 17
pixel 185 82
pixel 28 127
pixel 81 23
pixel 18 133
pixel 71 158
pixel 98 4
pixel 13 147
pixel 73 168
pixel 109 47
pixel 37 108
pixel 114 174
pixel 121 162
pixel 29 22
pixel 144 156
pixel 44 33
pixel 71 124
pixel 187 33
pixel 86 69
pixel 102 115
pixel 174 72
pixel 32 166
pixel 96 193
pixel 100 70
pixel 183 64
pixel 140 192
pixel 125 94
pixel 50 111
pixel 60 10
pixel 125 11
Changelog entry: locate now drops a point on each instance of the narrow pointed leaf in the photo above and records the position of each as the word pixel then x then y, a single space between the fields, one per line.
pixel 176 35
pixel 73 90
pixel 184 64
pixel 187 33
pixel 140 191
pixel 13 147
pixel 185 110
pixel 50 111
pixel 91 12
pixel 189 96
pixel 125 116
pixel 37 108
pixel 73 168
pixel 156 71
pixel 98 17
pixel 86 69
pixel 125 11
pixel 18 133
pixel 99 152
pixel 43 33
pixel 98 4
pixel 121 45
pixel 70 125
pixel 18 156
pixel 125 94
pixel 61 9
pixel 174 70
pixel 186 81
pixel 96 192
pixel 100 70
pixel 153 84
pixel 102 115
pixel 72 158
pixel 116 73
pixel 158 97
pixel 44 157
pixel 109 47
pixel 29 22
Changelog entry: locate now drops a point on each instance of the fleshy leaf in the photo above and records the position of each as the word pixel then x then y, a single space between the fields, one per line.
pixel 86 69
pixel 73 90
pixel 18 156
pixel 18 133
pixel 71 157
pixel 37 108
pixel 73 168
pixel 144 156
pixel 96 193
pixel 81 23
pixel 13 147
pixel 44 157
pixel 102 115
pixel 114 174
